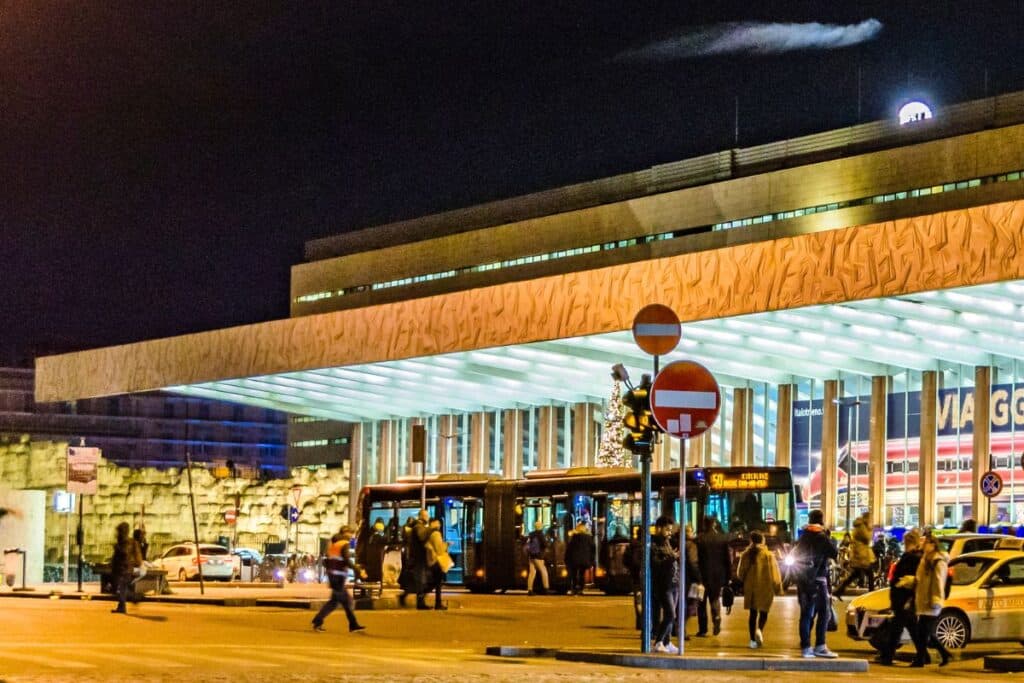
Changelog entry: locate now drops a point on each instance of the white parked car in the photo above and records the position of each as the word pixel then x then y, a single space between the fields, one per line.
pixel 180 562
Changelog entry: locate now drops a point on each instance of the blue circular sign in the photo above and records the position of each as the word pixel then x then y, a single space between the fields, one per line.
pixel 991 484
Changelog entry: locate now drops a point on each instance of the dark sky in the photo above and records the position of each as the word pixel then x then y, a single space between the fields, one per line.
pixel 162 164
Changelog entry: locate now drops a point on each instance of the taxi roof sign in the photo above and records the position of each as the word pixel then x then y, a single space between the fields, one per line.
pixel 656 329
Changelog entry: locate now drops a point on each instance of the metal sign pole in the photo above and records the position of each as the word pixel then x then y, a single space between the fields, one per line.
pixel 79 540
pixel 195 525
pixel 681 609
pixel 645 543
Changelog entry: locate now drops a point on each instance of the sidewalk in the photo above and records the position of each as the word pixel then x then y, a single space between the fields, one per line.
pixel 690 662
pixel 294 595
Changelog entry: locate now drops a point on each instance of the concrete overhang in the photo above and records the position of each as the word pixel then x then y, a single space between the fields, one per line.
pixel 917 293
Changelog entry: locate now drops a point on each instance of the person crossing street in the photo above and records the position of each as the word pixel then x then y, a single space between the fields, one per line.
pixel 338 563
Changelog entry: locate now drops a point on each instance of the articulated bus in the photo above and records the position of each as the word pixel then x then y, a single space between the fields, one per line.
pixel 485 520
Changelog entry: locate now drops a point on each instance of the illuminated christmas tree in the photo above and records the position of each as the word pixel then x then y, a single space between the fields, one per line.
pixel 611 452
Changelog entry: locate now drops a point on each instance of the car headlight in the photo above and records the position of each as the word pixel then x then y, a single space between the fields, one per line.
pixel 308 575
pixel 789 561
pixel 279 575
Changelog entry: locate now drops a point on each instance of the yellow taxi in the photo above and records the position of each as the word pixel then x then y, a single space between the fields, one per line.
pixel 986 602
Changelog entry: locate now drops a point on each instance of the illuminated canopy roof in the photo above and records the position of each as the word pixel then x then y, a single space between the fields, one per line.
pixel 981 325
pixel 917 293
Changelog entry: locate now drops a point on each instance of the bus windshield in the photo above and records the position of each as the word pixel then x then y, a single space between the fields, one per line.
pixel 740 512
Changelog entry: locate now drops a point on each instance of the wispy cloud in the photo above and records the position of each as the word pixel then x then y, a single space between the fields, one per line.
pixel 752 38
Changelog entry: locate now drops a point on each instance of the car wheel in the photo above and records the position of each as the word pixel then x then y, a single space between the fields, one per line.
pixel 182 576
pixel 952 630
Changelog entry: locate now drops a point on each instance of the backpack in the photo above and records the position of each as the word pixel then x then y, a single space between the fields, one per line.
pixel 533 546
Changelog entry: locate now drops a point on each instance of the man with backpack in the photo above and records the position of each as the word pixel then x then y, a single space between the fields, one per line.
pixel 536 544
pixel 813 552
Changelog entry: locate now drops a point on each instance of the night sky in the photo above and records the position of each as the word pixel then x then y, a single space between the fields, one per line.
pixel 162 163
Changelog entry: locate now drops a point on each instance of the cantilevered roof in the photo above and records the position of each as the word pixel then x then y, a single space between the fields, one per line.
pixel 917 293
pixel 969 326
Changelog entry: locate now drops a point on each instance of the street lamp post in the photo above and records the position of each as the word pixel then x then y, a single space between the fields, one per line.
pixel 849 404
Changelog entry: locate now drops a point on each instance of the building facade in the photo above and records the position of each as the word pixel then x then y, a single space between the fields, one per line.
pixel 859 295
pixel 148 430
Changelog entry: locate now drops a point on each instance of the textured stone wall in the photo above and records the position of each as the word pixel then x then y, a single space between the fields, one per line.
pixel 162 495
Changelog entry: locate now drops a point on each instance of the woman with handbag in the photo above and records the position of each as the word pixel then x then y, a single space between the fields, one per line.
pixel 762 581
pixel 438 560
pixel 929 598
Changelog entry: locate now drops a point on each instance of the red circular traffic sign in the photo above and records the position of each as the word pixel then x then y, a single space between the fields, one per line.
pixel 230 516
pixel 656 329
pixel 685 399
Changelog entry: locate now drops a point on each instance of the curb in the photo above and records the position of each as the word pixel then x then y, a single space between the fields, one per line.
pixel 1004 663
pixel 362 604
pixel 513 651
pixel 673 662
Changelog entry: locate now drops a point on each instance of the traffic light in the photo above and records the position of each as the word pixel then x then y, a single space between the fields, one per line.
pixel 638 418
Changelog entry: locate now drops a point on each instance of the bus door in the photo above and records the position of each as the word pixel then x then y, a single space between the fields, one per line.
pixel 536 511
pixel 461 526
pixel 619 515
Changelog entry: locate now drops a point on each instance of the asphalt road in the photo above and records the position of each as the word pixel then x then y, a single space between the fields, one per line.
pixel 80 640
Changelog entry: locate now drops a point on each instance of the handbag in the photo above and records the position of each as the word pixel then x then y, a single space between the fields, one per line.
pixel 696 592
pixel 445 562
pixel 728 598
pixel 833 618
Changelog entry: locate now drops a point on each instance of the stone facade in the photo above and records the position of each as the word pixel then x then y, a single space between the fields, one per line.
pixel 160 499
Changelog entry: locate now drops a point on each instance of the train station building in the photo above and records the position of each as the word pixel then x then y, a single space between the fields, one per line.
pixel 858 294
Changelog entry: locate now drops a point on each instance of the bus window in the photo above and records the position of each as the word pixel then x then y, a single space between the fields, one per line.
pixel 535 510
pixel 740 512
pixel 622 514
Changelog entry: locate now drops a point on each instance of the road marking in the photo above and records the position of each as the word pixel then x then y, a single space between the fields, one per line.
pixel 223 658
pixel 52 662
pixel 149 662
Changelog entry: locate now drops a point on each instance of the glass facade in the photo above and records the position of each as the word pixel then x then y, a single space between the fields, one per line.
pixel 955 427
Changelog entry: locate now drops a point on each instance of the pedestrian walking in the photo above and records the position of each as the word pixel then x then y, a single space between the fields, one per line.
pixel 414 561
pixel 901 597
pixel 762 581
pixel 579 557
pixel 438 560
pixel 715 563
pixel 664 584
pixel 693 591
pixel 929 598
pixel 536 545
pixel 862 556
pixel 123 564
pixel 338 564
pixel 813 552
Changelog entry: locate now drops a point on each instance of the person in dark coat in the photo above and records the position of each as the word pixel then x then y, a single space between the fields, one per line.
pixel 140 539
pixel 901 596
pixel 715 563
pixel 664 584
pixel 814 550
pixel 579 557
pixel 123 564
pixel 414 559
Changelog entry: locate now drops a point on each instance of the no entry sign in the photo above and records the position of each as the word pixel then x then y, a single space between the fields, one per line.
pixel 685 399
pixel 656 329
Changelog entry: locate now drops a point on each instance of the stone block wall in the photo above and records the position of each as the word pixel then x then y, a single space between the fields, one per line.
pixel 160 499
